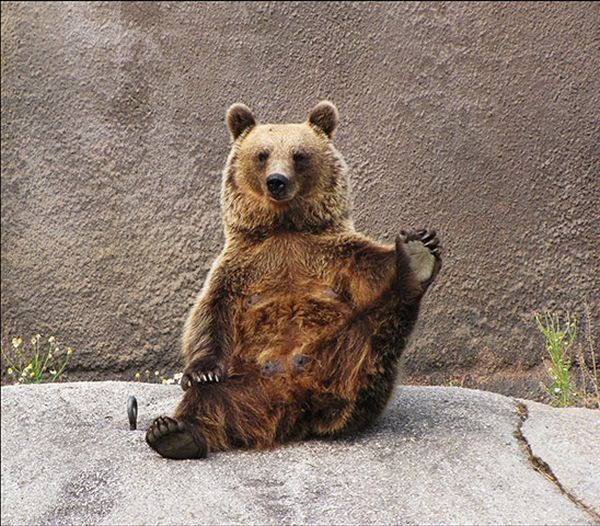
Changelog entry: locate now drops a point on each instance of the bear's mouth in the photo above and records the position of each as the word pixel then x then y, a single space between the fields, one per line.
pixel 280 200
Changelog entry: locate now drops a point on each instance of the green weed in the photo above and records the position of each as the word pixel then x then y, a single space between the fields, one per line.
pixel 559 337
pixel 42 360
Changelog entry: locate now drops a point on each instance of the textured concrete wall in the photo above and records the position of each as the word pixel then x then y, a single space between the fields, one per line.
pixel 479 119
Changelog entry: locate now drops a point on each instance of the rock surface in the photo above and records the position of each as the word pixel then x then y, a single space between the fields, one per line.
pixel 478 119
pixel 438 456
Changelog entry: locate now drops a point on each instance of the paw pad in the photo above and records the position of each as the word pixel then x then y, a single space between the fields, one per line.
pixel 171 439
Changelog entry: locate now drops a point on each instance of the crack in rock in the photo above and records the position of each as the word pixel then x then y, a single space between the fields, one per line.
pixel 541 466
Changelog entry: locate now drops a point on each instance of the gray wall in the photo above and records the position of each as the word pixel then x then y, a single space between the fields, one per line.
pixel 481 120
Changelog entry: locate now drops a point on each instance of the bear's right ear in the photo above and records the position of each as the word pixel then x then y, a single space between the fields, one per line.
pixel 239 118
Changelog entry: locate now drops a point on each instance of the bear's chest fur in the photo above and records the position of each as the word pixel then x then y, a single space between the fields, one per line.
pixel 293 293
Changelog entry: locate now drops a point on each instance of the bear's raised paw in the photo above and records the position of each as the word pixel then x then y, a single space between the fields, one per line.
pixel 424 249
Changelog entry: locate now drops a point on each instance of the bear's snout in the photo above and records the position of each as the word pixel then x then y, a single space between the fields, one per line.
pixel 278 186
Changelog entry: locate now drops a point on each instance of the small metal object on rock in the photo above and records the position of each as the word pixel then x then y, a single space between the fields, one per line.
pixel 132 410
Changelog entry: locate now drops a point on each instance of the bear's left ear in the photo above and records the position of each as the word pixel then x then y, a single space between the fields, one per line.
pixel 324 116
pixel 239 118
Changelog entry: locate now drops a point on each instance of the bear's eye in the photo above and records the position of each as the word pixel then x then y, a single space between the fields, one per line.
pixel 300 158
pixel 262 156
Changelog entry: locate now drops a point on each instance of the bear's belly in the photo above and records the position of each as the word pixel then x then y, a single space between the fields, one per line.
pixel 275 327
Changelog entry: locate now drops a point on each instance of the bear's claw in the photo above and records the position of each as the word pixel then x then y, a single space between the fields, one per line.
pixel 203 370
pixel 427 237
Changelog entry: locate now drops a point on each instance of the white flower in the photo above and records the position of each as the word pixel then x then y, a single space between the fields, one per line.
pixel 52 371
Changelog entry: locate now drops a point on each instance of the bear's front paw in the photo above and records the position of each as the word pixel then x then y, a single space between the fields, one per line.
pixel 203 370
pixel 424 249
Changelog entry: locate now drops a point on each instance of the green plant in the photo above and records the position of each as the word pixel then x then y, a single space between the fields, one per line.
pixel 559 337
pixel 41 361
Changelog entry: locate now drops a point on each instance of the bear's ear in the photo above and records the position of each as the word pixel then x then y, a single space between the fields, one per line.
pixel 324 116
pixel 239 118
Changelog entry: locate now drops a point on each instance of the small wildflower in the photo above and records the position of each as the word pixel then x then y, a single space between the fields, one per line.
pixel 156 373
pixel 29 366
pixel 165 381
pixel 49 355
pixel 137 376
pixel 69 350
pixel 52 339
pixel 16 342
pixel 24 374
pixel 33 341
pixel 52 371
pixel 177 376
pixel 31 374
pixel 9 370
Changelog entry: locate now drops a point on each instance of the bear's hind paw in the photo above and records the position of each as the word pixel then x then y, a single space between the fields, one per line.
pixel 424 249
pixel 172 439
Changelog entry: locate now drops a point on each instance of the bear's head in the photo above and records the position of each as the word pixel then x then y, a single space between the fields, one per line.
pixel 284 177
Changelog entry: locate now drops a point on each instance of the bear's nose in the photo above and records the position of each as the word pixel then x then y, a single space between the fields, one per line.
pixel 278 185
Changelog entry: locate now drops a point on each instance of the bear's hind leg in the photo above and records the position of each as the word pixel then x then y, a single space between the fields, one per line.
pixel 242 412
pixel 423 248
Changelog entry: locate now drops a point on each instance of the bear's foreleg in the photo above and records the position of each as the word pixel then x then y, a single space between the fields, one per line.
pixel 206 337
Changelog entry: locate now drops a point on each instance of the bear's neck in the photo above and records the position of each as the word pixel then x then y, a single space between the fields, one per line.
pixel 249 221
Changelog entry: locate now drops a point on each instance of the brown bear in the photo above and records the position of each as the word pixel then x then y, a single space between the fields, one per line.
pixel 301 321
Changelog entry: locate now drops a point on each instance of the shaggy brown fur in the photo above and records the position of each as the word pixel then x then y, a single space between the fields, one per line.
pixel 301 321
